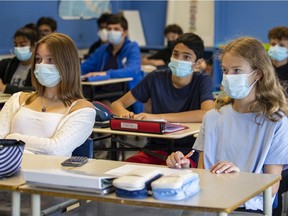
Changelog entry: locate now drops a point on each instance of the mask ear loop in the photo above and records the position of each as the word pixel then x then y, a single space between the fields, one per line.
pixel 251 86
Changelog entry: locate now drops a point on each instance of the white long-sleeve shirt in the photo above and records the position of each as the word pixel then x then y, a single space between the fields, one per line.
pixel 44 132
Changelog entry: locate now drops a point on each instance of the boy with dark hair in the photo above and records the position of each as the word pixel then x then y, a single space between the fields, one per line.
pixel 46 25
pixel 278 52
pixel 162 57
pixel 177 94
pixel 119 58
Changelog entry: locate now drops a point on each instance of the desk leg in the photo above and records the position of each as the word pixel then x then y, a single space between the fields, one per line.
pixel 36 204
pixel 223 214
pixel 16 203
pixel 114 146
pixel 267 203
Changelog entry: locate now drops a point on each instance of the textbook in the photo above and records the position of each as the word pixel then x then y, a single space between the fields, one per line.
pixel 145 126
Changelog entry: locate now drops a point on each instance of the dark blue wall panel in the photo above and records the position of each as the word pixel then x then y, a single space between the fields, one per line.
pixel 15 14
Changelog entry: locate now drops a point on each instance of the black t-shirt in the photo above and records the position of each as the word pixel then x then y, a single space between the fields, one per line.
pixel 165 98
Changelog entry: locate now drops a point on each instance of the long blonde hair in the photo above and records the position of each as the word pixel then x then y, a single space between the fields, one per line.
pixel 65 57
pixel 270 98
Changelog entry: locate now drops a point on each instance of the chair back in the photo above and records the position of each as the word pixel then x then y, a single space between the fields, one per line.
pixel 85 150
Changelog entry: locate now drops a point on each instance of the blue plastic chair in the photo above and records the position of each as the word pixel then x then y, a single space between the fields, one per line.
pixel 85 150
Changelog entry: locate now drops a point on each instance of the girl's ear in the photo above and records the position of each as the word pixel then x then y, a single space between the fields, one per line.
pixel 259 74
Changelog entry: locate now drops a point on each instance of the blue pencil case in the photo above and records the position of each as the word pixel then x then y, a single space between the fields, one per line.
pixel 137 183
pixel 176 186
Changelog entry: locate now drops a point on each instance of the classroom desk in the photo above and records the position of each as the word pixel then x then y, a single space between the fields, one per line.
pixel 29 161
pixel 193 128
pixel 91 86
pixel 12 184
pixel 221 193
pixel 4 98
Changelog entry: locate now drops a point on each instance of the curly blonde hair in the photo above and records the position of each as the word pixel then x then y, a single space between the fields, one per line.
pixel 270 98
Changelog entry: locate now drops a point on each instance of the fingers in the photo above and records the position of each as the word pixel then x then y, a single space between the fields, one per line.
pixel 140 116
pixel 177 160
pixel 127 115
pixel 224 167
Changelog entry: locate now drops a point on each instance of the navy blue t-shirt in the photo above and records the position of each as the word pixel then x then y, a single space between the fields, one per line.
pixel 165 98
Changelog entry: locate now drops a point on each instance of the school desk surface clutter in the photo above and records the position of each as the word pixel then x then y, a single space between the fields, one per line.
pixel 129 180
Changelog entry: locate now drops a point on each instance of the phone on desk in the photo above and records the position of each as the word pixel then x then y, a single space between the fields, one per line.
pixel 75 161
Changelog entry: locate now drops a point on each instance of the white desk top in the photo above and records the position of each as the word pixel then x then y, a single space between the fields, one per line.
pixel 4 97
pixel 109 81
pixel 219 192
pixel 193 128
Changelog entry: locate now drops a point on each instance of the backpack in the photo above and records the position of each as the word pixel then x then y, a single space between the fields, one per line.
pixel 103 114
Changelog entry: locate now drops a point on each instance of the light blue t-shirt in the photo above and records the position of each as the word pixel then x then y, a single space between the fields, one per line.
pixel 244 140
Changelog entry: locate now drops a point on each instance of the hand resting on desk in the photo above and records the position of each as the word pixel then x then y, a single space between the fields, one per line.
pixel 140 116
pixel 91 74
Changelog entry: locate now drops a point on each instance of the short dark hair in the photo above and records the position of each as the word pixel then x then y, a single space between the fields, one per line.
pixel 193 42
pixel 30 33
pixel 118 19
pixel 103 18
pixel 279 33
pixel 174 28
pixel 47 21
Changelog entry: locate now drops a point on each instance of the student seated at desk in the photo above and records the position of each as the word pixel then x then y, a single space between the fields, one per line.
pixel 162 57
pixel 278 52
pixel 15 72
pixel 102 34
pixel 119 58
pixel 177 95
pixel 249 133
pixel 55 119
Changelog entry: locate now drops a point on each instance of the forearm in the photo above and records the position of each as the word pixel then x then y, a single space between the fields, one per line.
pixel 7 113
pixel 71 133
pixel 118 108
pixel 184 117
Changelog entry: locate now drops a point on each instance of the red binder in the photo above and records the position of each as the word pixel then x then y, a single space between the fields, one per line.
pixel 144 126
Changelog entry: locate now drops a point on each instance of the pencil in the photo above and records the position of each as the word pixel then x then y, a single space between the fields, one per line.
pixel 189 154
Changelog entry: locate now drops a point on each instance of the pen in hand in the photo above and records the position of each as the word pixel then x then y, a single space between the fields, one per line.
pixel 189 154
pixel 186 156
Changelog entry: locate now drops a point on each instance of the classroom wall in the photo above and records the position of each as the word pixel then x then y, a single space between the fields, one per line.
pixel 15 14
pixel 246 18
pixel 232 19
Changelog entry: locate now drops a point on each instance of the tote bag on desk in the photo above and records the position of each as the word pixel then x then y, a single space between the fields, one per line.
pixel 11 154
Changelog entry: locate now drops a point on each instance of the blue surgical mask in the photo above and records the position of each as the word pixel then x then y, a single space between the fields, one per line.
pixel 23 53
pixel 180 68
pixel 114 37
pixel 47 74
pixel 236 85
pixel 278 53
